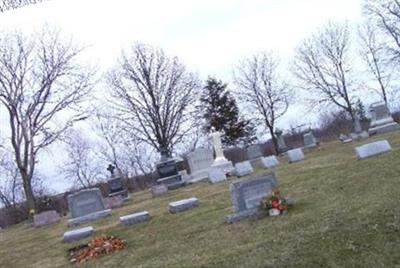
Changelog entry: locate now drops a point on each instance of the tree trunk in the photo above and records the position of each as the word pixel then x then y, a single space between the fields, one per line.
pixel 30 197
pixel 274 140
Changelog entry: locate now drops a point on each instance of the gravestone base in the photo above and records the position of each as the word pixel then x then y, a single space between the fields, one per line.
pixel 78 234
pixel 114 202
pixel 250 213
pixel 89 217
pixel 216 175
pixel 393 126
pixel 135 218
pixel 172 182
pixel 359 136
pixel 182 205
pixel 225 166
pixel 199 176
pixel 243 169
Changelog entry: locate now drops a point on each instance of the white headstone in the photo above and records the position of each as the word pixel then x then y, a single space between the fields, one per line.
pixel 243 169
pixel 183 204
pixel 270 161
pixel 295 155
pixel 216 175
pixel 200 162
pixel 372 149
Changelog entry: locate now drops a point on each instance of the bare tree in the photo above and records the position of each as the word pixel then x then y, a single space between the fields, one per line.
pixel 81 165
pixel 14 4
pixel 386 15
pixel 374 55
pixel 322 63
pixel 41 87
pixel 154 94
pixel 263 91
pixel 118 146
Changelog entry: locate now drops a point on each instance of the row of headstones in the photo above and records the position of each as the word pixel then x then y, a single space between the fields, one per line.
pixel 246 196
pixel 135 218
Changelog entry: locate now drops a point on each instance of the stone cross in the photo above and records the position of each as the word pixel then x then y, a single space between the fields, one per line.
pixel 111 169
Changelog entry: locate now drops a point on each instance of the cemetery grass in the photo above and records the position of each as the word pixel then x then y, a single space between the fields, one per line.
pixel 347 214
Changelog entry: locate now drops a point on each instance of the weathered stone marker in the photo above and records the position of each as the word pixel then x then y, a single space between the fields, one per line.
pixel 247 194
pixel 254 152
pixel 373 149
pixel 182 205
pixel 46 218
pixel 295 155
pixel 78 234
pixel 135 218
pixel 159 190
pixel 243 169
pixel 270 162
pixel 86 205
pixel 309 140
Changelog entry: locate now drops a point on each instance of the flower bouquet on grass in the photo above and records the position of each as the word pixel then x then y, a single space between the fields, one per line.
pixel 275 204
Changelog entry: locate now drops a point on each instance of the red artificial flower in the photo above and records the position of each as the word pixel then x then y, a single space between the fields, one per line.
pixel 275 204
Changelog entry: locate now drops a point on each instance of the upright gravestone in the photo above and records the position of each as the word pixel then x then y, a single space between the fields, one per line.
pixel 220 161
pixel 309 140
pixel 270 162
pixel 247 194
pixel 372 149
pixel 254 152
pixel 295 155
pixel 168 172
pixel 115 184
pixel 86 205
pixel 159 190
pixel 282 147
pixel 200 162
pixel 243 169
pixel 46 218
pixel 381 120
pixel 358 133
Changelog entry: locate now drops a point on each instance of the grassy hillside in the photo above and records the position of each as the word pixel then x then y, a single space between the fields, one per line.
pixel 347 215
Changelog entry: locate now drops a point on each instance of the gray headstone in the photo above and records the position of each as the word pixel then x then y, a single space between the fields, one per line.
pixel 86 205
pixel 295 155
pixel 372 149
pixel 85 202
pixel 247 194
pixel 78 234
pixel 216 175
pixel 309 140
pixel 159 190
pixel 270 161
pixel 135 218
pixel 254 151
pixel 200 162
pixel 282 147
pixel 46 218
pixel 243 169
pixel 183 205
pixel 381 119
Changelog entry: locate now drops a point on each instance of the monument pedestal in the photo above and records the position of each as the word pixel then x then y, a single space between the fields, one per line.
pixel 224 165
pixel 172 182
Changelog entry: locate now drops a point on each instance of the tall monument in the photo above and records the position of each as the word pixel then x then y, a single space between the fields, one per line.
pixel 220 161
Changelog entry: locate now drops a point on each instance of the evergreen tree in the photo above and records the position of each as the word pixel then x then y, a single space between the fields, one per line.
pixel 219 111
pixel 360 108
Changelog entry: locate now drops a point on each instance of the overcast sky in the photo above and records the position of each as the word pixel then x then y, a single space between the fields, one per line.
pixel 209 36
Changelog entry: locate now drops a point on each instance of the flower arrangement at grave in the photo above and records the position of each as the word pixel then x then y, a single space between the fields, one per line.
pixel 99 246
pixel 275 204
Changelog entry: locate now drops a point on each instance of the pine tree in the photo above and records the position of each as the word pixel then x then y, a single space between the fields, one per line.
pixel 361 110
pixel 219 111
